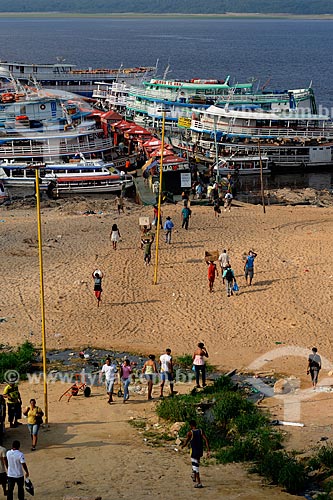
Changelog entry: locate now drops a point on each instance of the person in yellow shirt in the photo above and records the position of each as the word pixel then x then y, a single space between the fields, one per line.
pixel 34 414
pixel 14 403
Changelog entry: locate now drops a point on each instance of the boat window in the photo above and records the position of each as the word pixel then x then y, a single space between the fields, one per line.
pixel 18 172
pixel 30 172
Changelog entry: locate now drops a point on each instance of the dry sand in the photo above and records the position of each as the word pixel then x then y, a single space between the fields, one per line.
pixel 289 304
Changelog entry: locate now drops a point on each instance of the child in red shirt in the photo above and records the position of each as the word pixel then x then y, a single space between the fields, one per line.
pixel 212 272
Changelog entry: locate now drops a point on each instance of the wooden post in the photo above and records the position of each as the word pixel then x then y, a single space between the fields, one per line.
pixel 261 179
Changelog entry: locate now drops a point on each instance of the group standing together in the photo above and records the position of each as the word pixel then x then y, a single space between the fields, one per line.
pixel 228 274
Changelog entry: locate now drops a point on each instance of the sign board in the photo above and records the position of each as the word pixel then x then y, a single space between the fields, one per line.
pixel 185 180
pixel 184 122
pixel 144 221
pixel 211 255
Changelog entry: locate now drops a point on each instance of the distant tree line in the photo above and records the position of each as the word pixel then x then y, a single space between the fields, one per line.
pixel 170 6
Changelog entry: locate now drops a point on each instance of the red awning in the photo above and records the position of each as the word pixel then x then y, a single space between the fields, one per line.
pixel 111 115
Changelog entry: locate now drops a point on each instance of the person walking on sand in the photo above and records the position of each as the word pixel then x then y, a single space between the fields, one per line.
pixel 109 370
pixel 98 276
pixel 125 377
pixel 155 220
pixel 146 244
pixel 186 214
pixel 227 201
pixel 314 366
pixel 196 437
pixel 166 365
pixel 216 206
pixel 199 364
pixel 150 370
pixel 229 279
pixel 34 414
pixel 115 236
pixel 14 403
pixel 224 261
pixel 212 272
pixel 16 470
pixel 168 227
pixel 119 203
pixel 249 267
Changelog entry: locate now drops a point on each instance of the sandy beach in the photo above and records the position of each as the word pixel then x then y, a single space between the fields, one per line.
pixel 269 326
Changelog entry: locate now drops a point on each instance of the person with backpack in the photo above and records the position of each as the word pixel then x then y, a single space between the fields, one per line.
pixel 249 267
pixel 229 279
pixel 186 214
pixel 196 437
pixel 212 272
pixel 314 366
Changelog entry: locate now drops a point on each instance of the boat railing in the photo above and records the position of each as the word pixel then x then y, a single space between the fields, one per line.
pixel 264 132
pixel 55 148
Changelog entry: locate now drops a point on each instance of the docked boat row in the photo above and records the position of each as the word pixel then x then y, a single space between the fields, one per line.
pixel 229 128
pixel 60 135
pixel 210 121
pixel 72 79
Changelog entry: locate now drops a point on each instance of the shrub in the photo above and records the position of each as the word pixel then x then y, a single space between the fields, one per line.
pixel 251 447
pixel 246 422
pixel 178 408
pixel 283 469
pixel 230 405
pixel 184 361
pixel 19 359
pixel 323 457
pixel 221 384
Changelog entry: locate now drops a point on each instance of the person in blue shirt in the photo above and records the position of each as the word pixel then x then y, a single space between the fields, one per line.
pixel 186 214
pixel 249 267
pixel 168 227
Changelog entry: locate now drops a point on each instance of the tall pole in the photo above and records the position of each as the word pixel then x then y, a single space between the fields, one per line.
pixel 261 178
pixel 159 200
pixel 41 290
pixel 216 152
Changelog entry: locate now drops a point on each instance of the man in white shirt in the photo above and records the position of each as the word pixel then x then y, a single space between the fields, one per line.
pixel 109 370
pixel 224 262
pixel 166 371
pixel 16 469
pixel 227 201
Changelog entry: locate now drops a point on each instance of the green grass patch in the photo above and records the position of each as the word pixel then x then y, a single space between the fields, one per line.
pixel 138 424
pixel 283 469
pixel 238 431
pixel 19 359
pixel 323 458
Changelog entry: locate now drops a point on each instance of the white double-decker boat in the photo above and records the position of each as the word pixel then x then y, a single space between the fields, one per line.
pixel 290 138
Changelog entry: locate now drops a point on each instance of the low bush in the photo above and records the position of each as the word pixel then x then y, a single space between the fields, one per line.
pixel 283 469
pixel 251 447
pixel 178 408
pixel 19 359
pixel 230 405
pixel 323 458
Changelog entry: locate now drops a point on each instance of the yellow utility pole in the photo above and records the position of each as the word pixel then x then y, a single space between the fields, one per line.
pixel 159 200
pixel 41 291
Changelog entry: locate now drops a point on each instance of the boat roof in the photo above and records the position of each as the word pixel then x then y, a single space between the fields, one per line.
pixel 213 84
pixel 39 65
pixel 297 114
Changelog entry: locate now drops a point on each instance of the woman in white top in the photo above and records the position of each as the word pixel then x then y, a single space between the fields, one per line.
pixel 199 364
pixel 115 236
